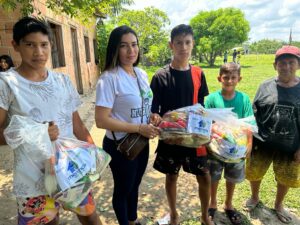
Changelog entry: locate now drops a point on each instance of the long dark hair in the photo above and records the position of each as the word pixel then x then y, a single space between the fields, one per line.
pixel 8 60
pixel 112 50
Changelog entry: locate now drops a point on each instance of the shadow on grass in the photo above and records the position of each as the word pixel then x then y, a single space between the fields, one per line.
pixel 220 218
pixel 267 216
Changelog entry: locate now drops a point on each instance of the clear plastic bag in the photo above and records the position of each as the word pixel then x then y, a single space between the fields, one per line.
pixel 77 165
pixel 190 126
pixel 74 159
pixel 69 166
pixel 232 140
pixel 73 196
pixel 33 137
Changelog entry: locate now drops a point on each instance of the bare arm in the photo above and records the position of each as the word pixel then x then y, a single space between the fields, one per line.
pixel 3 116
pixel 104 120
pixel 79 129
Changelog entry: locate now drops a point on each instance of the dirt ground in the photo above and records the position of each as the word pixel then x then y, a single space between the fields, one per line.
pixel 152 203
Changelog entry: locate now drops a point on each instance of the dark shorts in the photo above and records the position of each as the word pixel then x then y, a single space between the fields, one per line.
pixel 171 164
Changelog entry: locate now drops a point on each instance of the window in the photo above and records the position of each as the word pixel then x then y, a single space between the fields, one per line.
pixel 96 52
pixel 57 50
pixel 87 49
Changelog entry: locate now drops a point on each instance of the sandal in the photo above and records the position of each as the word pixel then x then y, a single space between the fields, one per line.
pixel 284 216
pixel 250 205
pixel 211 212
pixel 234 216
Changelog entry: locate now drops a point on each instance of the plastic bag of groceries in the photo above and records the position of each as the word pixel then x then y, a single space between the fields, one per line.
pixel 75 159
pixel 32 135
pixel 69 166
pixel 74 195
pixel 189 126
pixel 231 140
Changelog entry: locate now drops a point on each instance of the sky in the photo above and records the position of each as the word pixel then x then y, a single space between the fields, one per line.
pixel 271 19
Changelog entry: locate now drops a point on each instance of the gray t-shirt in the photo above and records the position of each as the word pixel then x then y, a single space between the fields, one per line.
pixel 120 92
pixel 277 113
pixel 54 99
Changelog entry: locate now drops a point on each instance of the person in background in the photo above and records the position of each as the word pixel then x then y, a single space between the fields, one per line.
pixel 228 97
pixel 238 57
pixel 276 109
pixel 177 85
pixel 234 54
pixel 43 95
pixel 5 63
pixel 123 95
pixel 225 57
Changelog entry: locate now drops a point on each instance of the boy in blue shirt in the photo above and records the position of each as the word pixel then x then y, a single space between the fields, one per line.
pixel 228 97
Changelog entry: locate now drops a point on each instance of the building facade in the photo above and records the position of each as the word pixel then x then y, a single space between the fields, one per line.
pixel 73 49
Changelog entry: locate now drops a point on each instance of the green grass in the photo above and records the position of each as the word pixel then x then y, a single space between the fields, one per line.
pixel 255 69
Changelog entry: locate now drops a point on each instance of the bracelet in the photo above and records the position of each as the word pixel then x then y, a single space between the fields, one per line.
pixel 140 128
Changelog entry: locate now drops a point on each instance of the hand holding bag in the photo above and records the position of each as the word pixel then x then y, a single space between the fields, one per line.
pixel 132 144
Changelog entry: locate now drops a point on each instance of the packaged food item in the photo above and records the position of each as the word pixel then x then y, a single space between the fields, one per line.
pixel 78 165
pixel 231 140
pixel 188 126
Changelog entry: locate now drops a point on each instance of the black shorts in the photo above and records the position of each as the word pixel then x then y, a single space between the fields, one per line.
pixel 171 164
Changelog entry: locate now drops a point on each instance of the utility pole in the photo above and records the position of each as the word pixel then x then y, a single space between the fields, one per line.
pixel 290 38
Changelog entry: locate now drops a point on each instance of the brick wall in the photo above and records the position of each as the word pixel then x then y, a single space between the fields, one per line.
pixel 88 70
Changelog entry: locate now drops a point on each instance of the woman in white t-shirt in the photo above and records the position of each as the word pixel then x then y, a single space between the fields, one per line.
pixel 123 104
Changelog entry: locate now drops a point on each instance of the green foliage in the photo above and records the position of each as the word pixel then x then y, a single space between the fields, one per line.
pixel 158 54
pixel 148 24
pixel 83 9
pixel 296 43
pixel 103 32
pixel 266 46
pixel 219 30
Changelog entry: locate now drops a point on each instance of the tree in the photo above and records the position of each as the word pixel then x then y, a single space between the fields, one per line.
pixel 83 9
pixel 296 43
pixel 103 31
pixel 266 46
pixel 219 30
pixel 149 25
pixel 158 54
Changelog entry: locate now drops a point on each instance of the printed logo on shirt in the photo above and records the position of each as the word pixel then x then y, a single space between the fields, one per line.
pixel 137 112
pixel 282 118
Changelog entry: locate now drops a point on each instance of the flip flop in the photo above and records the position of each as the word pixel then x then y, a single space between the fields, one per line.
pixel 234 216
pixel 211 212
pixel 284 216
pixel 249 205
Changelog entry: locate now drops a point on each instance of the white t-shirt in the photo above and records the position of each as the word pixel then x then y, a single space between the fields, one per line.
pixel 54 99
pixel 120 92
